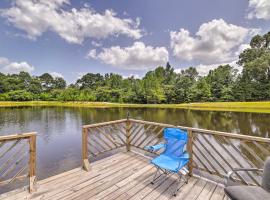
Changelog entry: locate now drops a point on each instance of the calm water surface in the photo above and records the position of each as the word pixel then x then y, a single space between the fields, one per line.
pixel 59 129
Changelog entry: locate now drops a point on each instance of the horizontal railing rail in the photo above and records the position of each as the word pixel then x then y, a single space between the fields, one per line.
pixel 18 159
pixel 211 152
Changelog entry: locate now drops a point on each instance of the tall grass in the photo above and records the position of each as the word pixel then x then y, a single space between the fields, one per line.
pixel 260 107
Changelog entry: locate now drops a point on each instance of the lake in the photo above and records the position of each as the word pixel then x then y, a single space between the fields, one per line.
pixel 59 128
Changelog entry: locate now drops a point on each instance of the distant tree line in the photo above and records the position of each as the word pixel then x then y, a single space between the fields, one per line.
pixel 162 85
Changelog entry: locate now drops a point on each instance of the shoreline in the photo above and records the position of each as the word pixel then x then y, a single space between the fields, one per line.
pixel 258 107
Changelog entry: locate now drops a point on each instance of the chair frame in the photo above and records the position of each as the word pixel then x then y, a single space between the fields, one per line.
pixel 235 170
pixel 169 173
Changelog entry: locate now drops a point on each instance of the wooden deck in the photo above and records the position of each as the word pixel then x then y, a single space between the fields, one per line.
pixel 121 176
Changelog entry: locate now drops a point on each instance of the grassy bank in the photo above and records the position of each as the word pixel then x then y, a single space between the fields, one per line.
pixel 261 107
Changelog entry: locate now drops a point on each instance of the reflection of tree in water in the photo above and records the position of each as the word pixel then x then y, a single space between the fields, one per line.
pixel 245 123
pixel 255 124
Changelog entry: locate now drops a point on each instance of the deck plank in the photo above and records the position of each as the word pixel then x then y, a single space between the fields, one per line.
pixel 196 190
pixel 169 183
pixel 60 179
pixel 88 189
pixel 114 187
pixel 184 189
pixel 85 184
pixel 134 186
pixel 125 184
pixel 218 193
pixel 207 191
pixel 123 176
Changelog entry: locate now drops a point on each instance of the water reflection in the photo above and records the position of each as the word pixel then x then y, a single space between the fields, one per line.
pixel 59 129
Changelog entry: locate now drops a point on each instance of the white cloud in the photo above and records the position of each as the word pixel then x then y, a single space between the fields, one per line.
pixel 92 54
pixel 3 61
pixel 56 74
pixel 135 76
pixel 215 41
pixel 9 67
pixel 137 57
pixel 17 67
pixel 259 9
pixel 96 44
pixel 86 5
pixel 38 16
pixel 203 70
pixel 241 48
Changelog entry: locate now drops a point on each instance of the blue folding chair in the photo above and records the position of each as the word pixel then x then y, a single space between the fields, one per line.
pixel 174 157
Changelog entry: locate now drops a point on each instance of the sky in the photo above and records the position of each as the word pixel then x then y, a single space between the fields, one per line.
pixel 69 38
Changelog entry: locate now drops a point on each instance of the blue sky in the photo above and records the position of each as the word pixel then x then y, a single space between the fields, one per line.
pixel 69 38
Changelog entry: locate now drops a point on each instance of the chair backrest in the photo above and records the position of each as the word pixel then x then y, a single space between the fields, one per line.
pixel 266 175
pixel 175 141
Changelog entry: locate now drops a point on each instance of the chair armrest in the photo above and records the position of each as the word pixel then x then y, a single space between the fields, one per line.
pixel 234 170
pixel 155 147
pixel 185 155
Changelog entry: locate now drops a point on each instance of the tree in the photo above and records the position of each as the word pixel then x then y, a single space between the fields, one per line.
pixel 184 82
pixel 59 83
pixel 19 95
pixel 47 82
pixel 152 82
pixel 169 75
pixel 90 81
pixel 200 91
pixel 2 78
pixel 113 80
pixel 69 94
pixel 221 81
pixel 255 77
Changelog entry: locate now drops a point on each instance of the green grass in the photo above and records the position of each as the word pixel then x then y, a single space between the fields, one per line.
pixel 260 107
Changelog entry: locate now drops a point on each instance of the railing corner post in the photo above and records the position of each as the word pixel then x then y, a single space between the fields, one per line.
pixel 190 151
pixel 128 126
pixel 32 164
pixel 85 161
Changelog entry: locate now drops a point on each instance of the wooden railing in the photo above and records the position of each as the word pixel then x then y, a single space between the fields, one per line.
pixel 212 153
pixel 217 153
pixel 100 138
pixel 18 159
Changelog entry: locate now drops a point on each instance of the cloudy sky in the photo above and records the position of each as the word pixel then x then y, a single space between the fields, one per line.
pixel 72 37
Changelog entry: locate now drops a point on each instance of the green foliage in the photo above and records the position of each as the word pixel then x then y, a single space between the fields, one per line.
pixel 255 78
pixel 183 84
pixel 220 81
pixel 200 91
pixel 162 85
pixel 18 95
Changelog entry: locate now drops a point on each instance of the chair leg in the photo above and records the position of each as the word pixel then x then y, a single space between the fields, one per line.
pixel 156 176
pixel 177 185
pixel 185 179
pixel 179 179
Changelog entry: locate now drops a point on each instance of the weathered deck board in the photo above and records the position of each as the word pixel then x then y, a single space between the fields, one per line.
pixel 121 176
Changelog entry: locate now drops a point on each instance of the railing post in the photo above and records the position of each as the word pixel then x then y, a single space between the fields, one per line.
pixel 32 163
pixel 190 151
pixel 128 127
pixel 85 162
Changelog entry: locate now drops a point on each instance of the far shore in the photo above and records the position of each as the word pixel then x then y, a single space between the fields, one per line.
pixel 259 107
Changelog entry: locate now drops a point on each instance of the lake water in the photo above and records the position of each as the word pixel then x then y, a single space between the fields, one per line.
pixel 59 129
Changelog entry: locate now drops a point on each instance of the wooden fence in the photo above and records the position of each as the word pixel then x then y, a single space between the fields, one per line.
pixel 18 159
pixel 100 138
pixel 211 152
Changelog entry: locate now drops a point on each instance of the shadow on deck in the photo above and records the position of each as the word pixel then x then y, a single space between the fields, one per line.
pixel 120 176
